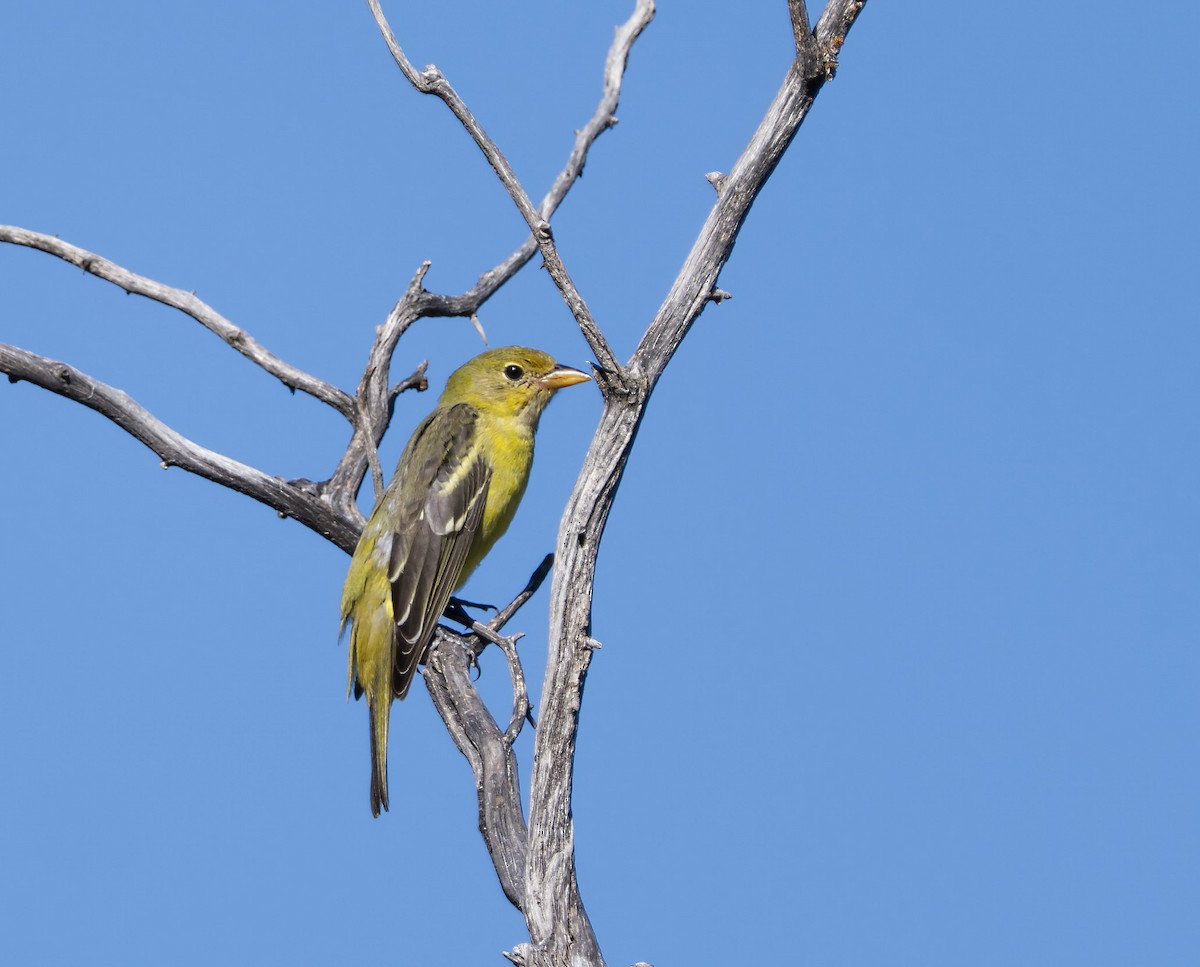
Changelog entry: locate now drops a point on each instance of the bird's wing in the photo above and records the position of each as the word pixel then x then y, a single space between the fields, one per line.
pixel 436 531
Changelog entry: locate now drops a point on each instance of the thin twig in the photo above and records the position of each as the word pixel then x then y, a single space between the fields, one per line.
pixel 432 81
pixel 186 302
pixel 343 485
pixel 414 380
pixel 377 480
pixel 516 672
pixel 802 29
pixel 373 403
pixel 502 617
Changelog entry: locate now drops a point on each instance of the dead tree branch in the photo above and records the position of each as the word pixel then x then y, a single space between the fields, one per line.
pixel 369 410
pixel 481 741
pixel 535 861
pixel 300 499
pixel 187 302
pixel 557 925
pixel 432 81
pixel 559 928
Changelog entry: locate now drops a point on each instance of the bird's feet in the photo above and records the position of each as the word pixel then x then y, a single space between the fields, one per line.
pixel 456 611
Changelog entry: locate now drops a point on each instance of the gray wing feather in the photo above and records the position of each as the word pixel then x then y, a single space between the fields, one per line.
pixel 445 506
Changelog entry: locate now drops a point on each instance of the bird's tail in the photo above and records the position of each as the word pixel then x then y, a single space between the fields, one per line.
pixel 372 655
pixel 380 711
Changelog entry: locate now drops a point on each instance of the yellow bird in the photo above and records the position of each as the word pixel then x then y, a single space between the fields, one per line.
pixel 454 493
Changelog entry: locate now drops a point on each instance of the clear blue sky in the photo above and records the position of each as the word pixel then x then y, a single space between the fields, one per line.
pixel 899 595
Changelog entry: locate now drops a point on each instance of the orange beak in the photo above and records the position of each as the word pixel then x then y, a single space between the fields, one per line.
pixel 561 376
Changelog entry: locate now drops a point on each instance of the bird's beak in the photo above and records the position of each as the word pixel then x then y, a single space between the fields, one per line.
pixel 561 376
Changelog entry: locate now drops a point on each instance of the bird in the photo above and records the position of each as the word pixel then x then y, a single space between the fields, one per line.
pixel 454 493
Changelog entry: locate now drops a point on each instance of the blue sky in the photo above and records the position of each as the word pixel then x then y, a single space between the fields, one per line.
pixel 899 595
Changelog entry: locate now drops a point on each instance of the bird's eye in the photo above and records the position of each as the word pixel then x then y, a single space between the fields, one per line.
pixel 513 372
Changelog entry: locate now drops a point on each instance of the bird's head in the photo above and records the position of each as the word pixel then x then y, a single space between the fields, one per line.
pixel 510 382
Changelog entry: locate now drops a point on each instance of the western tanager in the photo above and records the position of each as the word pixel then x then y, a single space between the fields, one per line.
pixel 454 492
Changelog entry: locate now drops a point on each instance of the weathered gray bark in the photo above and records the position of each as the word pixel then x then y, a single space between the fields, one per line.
pixel 554 912
pixel 535 863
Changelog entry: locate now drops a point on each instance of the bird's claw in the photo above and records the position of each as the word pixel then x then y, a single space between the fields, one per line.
pixel 456 611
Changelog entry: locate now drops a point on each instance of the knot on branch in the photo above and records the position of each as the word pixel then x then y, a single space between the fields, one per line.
pixel 519 955
pixel 829 59
pixel 312 488
pixel 430 79
pixel 620 384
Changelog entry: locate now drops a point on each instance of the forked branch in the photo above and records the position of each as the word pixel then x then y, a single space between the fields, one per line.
pixel 432 81
pixel 559 928
pixel 535 863
pixel 186 302
pixel 553 911
pixel 327 506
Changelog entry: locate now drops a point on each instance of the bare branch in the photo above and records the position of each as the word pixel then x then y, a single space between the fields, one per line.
pixel 521 707
pixel 374 401
pixel 418 302
pixel 551 888
pixel 604 116
pixel 798 10
pixel 301 500
pixel 377 478
pixel 801 28
pixel 535 864
pixel 370 411
pixel 836 20
pixel 554 911
pixel 239 339
pixel 432 81
pixel 696 282
pixel 502 616
pixel 414 380
pixel 478 737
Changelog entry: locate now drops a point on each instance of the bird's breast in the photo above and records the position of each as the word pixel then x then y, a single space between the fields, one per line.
pixel 509 453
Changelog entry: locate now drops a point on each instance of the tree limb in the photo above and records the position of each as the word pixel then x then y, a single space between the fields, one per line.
pixel 535 864
pixel 488 750
pixel 432 81
pixel 801 28
pixel 551 888
pixel 370 410
pixel 187 302
pixel 418 302
pixel 494 763
pixel 299 499
pixel 559 928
